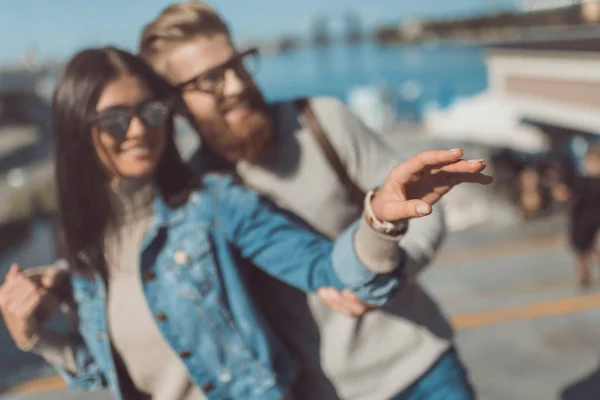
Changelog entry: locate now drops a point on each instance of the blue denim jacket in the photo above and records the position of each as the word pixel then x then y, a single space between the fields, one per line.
pixel 196 291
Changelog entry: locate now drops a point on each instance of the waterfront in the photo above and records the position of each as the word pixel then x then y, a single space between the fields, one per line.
pixel 418 76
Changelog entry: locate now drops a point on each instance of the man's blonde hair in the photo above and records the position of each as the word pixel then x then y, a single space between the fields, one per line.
pixel 175 25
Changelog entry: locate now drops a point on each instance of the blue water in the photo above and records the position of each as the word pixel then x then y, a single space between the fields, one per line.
pixel 443 72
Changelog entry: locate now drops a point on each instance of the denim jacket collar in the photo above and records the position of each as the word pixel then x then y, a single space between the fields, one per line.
pixel 163 215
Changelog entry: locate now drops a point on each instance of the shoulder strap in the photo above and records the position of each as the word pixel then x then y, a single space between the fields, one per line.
pixel 356 194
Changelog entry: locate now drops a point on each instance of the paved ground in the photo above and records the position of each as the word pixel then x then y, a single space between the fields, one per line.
pixel 524 329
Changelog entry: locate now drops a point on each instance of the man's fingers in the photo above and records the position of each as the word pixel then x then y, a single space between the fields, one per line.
pixel 330 297
pixel 428 159
pixel 18 287
pixel 30 305
pixel 19 295
pixel 21 281
pixel 50 277
pixel 462 166
pixel 335 300
pixel 18 307
pixel 404 209
pixel 358 307
pixel 13 272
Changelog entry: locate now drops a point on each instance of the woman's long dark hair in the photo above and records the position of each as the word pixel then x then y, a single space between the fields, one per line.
pixel 84 205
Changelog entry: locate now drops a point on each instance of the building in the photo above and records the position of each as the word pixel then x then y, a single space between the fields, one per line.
pixel 589 10
pixel 541 5
pixel 540 112
pixel 553 83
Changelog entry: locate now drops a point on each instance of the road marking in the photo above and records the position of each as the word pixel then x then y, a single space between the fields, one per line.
pixel 498 250
pixel 540 309
pixel 39 385
pixel 501 292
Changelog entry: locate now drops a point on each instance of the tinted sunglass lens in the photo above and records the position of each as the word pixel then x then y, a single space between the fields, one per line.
pixel 116 127
pixel 154 114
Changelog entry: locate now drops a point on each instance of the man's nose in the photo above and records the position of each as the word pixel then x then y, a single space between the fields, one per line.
pixel 233 84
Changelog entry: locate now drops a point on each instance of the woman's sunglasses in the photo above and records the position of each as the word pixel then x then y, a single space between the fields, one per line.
pixel 116 120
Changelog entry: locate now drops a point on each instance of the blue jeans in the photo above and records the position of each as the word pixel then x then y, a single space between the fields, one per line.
pixel 446 380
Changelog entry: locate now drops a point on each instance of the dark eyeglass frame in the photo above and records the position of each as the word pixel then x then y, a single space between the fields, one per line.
pixel 235 63
pixel 119 132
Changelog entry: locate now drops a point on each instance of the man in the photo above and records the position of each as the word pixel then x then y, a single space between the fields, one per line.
pixel 402 351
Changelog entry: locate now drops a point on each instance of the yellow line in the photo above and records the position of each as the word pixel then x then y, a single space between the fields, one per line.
pixel 38 385
pixel 536 310
pixel 496 250
pixel 507 291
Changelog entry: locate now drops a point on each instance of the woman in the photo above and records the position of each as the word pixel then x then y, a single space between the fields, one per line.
pixel 161 303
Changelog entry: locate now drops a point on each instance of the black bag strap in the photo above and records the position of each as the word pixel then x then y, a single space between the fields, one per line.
pixel 356 194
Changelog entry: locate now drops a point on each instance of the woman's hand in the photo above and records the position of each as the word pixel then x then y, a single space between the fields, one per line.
pixel 25 304
pixel 413 186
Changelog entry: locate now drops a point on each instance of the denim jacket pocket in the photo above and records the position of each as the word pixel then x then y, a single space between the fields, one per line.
pixel 190 262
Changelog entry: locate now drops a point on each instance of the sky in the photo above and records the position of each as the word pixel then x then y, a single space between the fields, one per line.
pixel 58 28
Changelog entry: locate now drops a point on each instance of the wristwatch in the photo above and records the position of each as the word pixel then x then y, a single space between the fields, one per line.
pixel 397 228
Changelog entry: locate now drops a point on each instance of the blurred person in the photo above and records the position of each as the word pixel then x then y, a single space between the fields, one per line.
pixel 505 166
pixel 160 299
pixel 530 196
pixel 314 158
pixel 585 215
pixel 554 185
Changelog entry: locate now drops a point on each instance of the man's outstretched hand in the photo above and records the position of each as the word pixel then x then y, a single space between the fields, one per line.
pixel 409 191
pixel 413 186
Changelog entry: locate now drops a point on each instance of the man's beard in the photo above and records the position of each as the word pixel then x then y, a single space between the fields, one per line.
pixel 240 141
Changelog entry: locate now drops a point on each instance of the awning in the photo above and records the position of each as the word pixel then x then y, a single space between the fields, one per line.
pixel 485 119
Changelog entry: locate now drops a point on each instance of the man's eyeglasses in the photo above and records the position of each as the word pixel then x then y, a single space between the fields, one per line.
pixel 244 64
pixel 116 120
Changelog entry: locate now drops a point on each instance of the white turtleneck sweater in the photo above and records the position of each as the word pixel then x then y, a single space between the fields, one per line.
pixel 152 364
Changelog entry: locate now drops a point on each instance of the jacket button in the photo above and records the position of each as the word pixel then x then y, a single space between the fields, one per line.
pixel 209 387
pixel 225 376
pixel 148 276
pixel 181 257
pixel 160 316
pixel 185 354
